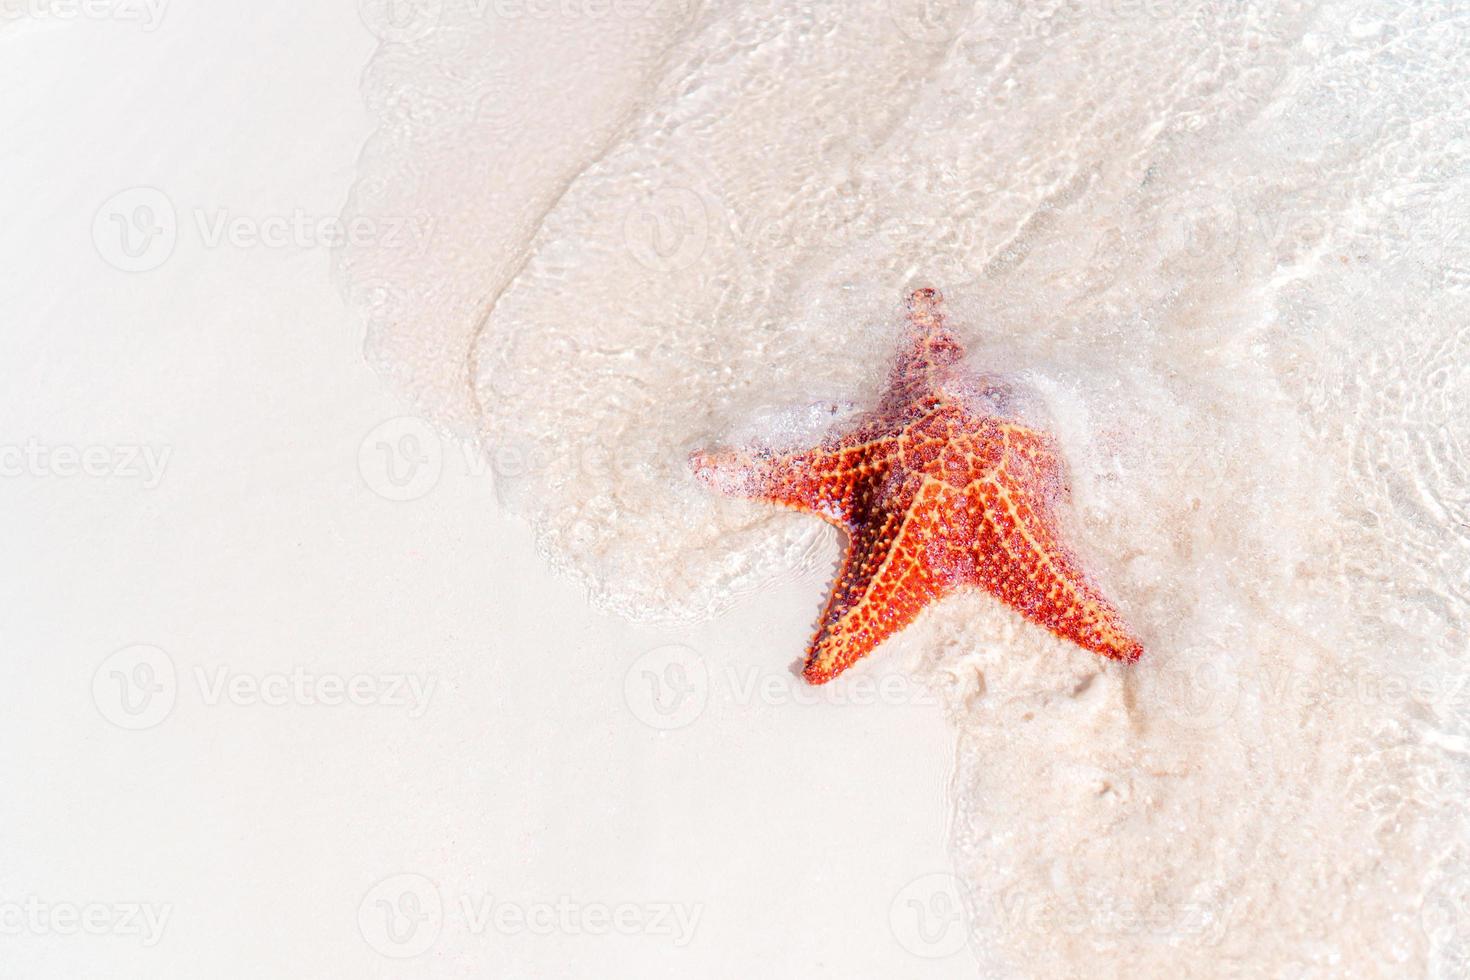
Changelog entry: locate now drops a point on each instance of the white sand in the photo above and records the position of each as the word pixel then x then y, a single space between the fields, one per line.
pixel 256 832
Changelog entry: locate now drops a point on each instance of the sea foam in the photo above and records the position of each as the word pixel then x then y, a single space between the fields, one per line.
pixel 1218 245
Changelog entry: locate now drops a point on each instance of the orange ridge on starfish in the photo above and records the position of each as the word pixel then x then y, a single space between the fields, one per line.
pixel 934 496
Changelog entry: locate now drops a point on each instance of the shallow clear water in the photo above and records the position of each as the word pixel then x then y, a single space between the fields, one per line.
pixel 1222 245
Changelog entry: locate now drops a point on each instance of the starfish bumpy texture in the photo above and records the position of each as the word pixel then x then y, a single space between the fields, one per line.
pixel 935 495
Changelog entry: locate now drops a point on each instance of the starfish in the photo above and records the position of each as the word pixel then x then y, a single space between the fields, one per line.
pixel 936 493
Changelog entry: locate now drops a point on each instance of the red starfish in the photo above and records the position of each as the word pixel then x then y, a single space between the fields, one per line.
pixel 935 494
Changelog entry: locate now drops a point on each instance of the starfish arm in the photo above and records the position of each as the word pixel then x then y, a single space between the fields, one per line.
pixel 927 349
pixel 894 566
pixel 1019 559
pixel 827 481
